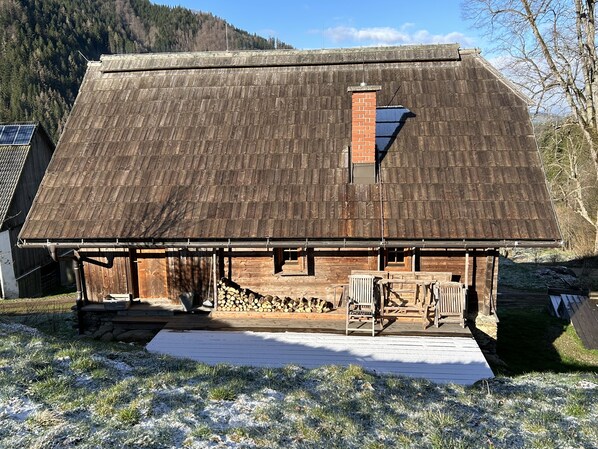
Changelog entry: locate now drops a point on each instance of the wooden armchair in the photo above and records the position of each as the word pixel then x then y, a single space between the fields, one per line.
pixel 451 303
pixel 361 304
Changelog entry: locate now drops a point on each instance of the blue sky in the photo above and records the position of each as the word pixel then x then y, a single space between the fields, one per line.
pixel 308 24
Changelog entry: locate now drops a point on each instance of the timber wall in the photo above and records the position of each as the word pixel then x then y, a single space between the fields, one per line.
pixel 482 272
pixel 155 273
pixel 147 273
pixel 254 270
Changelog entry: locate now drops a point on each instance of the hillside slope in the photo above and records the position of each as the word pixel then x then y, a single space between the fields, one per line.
pixel 73 393
pixel 44 45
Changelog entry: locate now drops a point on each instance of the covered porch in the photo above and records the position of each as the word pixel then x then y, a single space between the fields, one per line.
pixel 164 314
pixel 405 303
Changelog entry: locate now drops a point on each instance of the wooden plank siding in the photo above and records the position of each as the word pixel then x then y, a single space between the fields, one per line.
pixel 254 269
pixel 189 271
pixel 167 273
pixel 147 273
pixel 105 271
pixel 20 177
pixel 152 275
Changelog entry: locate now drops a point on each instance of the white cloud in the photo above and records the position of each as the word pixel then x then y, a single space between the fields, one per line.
pixel 406 34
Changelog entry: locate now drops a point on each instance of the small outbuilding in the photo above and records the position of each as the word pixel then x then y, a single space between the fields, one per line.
pixel 25 152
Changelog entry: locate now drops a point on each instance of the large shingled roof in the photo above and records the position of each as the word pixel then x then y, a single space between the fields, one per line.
pixel 254 145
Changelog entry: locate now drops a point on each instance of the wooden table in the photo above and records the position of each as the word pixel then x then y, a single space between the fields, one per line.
pixel 406 298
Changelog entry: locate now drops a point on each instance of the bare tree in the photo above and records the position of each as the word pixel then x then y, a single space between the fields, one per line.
pixel 573 181
pixel 549 49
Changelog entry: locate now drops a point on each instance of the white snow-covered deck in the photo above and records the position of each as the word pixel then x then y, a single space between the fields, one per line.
pixel 440 359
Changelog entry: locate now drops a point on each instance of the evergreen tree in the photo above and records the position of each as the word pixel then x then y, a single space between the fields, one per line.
pixel 44 45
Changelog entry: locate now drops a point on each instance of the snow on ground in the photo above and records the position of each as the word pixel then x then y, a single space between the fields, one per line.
pixel 85 394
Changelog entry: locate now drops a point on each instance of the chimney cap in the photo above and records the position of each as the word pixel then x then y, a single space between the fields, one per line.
pixel 364 88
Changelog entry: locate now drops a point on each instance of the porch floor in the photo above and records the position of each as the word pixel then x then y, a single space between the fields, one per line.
pixel 439 359
pixel 303 324
pixel 165 315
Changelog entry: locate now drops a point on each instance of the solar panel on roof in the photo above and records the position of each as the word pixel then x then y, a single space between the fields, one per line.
pixel 389 121
pixel 16 134
pixel 24 135
pixel 8 134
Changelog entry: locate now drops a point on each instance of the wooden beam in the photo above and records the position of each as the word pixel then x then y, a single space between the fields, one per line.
pixel 215 280
pixel 466 269
pixel 489 284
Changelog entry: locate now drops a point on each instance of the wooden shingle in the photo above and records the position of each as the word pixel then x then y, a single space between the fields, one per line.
pixel 254 145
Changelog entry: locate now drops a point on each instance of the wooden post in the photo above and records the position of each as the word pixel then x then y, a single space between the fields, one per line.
pixel 413 257
pixel 214 261
pixel 466 269
pixel 489 284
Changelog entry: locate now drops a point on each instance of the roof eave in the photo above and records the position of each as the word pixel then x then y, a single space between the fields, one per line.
pixel 284 243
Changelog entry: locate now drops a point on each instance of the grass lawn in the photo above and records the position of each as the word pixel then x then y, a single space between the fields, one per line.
pixel 530 340
pixel 57 390
pixel 71 393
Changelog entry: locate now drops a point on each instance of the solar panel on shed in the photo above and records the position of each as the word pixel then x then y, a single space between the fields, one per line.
pixel 16 134
pixel 24 135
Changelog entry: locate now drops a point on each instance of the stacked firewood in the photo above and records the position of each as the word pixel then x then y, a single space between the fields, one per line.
pixel 233 298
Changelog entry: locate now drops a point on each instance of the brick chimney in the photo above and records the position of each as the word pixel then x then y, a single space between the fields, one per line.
pixel 363 133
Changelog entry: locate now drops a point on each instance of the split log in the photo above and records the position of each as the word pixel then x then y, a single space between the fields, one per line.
pixel 231 297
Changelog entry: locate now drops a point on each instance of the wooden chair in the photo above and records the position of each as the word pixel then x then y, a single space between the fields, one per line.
pixel 361 304
pixel 451 303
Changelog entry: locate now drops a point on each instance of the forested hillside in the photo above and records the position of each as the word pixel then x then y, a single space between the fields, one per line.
pixel 44 45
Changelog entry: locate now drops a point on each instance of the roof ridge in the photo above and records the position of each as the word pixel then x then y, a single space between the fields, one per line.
pixel 278 58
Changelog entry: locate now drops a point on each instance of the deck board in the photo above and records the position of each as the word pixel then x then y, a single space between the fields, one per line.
pixel 440 359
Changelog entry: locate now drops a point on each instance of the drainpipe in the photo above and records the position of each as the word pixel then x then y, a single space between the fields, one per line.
pixel 78 282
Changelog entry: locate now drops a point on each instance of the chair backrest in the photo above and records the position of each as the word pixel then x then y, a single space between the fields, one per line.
pixel 361 288
pixel 451 297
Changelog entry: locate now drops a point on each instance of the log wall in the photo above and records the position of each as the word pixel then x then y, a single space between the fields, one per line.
pixel 482 277
pixel 254 269
pixel 167 273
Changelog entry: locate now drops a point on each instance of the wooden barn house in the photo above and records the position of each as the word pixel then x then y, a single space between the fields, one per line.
pixel 286 171
pixel 25 151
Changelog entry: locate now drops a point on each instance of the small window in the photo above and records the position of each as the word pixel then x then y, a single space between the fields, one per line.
pixel 289 261
pixel 291 255
pixel 398 259
pixel 395 256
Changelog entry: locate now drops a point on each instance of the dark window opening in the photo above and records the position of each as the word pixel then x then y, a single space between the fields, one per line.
pixel 398 258
pixel 290 255
pixel 290 261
